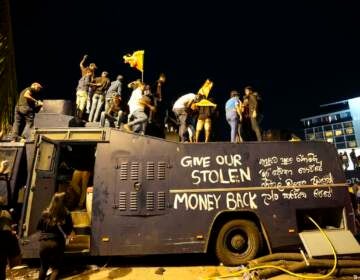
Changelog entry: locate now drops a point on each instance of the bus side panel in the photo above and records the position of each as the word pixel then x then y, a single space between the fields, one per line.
pixel 152 196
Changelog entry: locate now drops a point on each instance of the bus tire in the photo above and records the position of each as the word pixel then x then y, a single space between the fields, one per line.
pixel 238 242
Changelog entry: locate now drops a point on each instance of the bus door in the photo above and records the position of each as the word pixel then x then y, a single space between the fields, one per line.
pixel 42 183
pixel 140 190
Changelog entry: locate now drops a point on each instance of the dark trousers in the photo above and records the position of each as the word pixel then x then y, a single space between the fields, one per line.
pixel 182 116
pixel 3 262
pixel 23 113
pixel 256 128
pixel 51 255
pixel 9 249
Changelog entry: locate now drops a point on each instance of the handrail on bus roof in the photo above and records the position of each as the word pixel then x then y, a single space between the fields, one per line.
pixel 75 134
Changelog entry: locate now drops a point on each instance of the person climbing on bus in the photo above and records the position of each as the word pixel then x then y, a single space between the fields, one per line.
pixel 54 225
pixel 25 111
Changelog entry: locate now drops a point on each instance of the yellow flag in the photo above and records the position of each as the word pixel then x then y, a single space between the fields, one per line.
pixel 205 89
pixel 205 102
pixel 136 60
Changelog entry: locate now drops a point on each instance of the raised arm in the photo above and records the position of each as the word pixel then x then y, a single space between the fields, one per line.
pixel 82 67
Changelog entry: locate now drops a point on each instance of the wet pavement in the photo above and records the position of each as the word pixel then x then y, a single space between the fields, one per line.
pixel 187 267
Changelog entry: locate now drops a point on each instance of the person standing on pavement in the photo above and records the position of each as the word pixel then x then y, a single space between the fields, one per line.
pixel 9 245
pixel 54 225
pixel 25 111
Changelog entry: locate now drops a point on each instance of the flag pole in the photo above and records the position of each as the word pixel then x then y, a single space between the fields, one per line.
pixel 143 64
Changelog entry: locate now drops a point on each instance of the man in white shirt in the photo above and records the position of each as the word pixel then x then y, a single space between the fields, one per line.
pixel 181 109
pixel 137 103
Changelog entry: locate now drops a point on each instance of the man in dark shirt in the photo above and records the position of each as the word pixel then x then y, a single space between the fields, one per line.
pixel 25 111
pixel 252 101
pixel 102 84
pixel 354 159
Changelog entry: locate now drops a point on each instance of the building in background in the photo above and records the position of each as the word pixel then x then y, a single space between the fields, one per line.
pixel 337 123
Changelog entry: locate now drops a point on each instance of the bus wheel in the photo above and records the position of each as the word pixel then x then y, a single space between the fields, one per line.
pixel 238 241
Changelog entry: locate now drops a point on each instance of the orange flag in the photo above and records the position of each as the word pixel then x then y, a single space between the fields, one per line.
pixel 136 60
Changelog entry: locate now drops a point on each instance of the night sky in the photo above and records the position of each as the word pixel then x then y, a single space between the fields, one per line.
pixel 297 54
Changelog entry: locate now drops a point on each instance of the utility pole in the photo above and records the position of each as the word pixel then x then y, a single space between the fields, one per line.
pixel 8 90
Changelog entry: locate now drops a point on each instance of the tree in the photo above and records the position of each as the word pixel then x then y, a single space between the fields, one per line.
pixel 8 91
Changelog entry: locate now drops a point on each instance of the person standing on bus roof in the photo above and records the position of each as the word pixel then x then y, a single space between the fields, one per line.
pixel 55 225
pixel 253 99
pixel 182 107
pixel 25 111
pixel 233 115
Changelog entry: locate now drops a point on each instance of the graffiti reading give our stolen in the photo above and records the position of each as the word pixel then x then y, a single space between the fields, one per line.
pixel 230 169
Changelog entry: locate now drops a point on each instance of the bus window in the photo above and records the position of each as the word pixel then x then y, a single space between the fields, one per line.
pixel 45 160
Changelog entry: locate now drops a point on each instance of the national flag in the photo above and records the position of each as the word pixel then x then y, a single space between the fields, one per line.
pixel 205 102
pixel 136 60
pixel 205 89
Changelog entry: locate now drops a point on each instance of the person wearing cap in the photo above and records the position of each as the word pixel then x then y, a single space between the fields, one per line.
pixel 233 115
pixel 25 111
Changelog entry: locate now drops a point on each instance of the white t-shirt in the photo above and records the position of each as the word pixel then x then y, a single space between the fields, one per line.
pixel 133 102
pixel 184 101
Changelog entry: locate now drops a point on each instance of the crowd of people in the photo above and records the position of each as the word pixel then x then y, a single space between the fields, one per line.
pixel 345 160
pixel 100 100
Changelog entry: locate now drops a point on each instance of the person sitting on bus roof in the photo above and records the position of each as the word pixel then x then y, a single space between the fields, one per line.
pixel 137 104
pixel 113 113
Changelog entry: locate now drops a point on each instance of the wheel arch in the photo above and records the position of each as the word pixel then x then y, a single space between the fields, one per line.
pixel 222 217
